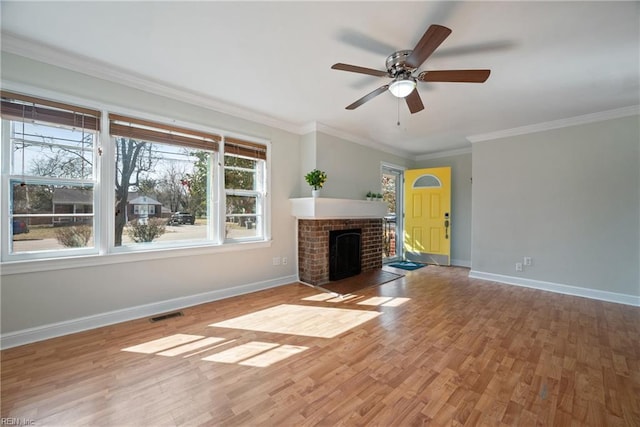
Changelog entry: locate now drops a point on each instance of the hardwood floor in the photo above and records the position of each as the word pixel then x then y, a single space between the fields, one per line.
pixel 431 348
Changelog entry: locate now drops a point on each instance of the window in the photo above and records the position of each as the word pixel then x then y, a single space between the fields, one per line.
pixel 162 166
pixel 49 189
pixel 167 186
pixel 244 183
pixel 427 181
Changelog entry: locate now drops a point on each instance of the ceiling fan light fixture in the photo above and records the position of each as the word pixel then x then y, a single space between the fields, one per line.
pixel 402 87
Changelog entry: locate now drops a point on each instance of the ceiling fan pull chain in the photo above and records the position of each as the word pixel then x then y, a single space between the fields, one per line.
pixel 398 112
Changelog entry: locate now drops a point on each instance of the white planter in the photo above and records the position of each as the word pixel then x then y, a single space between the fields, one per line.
pixel 315 193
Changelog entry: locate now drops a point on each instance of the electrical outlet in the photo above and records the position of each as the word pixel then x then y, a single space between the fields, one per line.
pixel 284 260
pixel 518 266
pixel 527 260
pixel 276 260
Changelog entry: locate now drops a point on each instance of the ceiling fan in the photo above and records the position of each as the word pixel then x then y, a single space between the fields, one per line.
pixel 402 64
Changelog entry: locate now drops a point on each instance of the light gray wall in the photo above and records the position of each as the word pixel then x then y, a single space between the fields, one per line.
pixel 568 198
pixel 307 161
pixel 35 299
pixel 352 169
pixel 460 203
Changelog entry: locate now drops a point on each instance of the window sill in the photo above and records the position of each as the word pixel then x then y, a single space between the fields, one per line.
pixel 32 266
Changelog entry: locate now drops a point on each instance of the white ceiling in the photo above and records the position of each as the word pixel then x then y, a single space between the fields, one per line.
pixel 270 61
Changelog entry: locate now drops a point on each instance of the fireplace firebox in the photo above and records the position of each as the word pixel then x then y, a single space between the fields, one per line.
pixel 344 253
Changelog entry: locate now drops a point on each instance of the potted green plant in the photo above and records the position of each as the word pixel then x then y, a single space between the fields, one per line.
pixel 316 179
pixel 369 195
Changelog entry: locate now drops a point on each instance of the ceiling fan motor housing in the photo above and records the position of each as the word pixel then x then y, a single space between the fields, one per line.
pixel 396 65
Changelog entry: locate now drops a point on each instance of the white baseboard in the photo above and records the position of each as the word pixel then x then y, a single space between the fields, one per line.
pixel 559 288
pixel 461 263
pixel 40 333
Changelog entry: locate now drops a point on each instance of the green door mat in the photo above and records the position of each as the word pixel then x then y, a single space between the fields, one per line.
pixel 407 265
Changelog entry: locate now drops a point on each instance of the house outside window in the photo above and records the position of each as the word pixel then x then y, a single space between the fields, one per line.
pixel 171 167
pixel 49 153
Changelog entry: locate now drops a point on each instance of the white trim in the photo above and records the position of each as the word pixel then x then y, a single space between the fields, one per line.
pixel 461 263
pixel 387 165
pixel 317 208
pixel 63 263
pixel 559 288
pixel 441 154
pixel 310 127
pixel 40 333
pixel 557 124
pixel 64 59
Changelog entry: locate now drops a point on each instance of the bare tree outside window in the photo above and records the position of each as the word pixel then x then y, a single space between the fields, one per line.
pixel 133 159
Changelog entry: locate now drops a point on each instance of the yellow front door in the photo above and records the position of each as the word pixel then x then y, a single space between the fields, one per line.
pixel 427 215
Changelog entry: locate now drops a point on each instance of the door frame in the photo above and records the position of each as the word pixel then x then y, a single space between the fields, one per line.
pixel 427 222
pixel 398 171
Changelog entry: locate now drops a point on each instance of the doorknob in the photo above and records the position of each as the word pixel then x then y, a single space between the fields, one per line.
pixel 446 225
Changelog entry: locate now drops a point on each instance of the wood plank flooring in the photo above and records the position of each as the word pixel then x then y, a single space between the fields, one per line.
pixel 363 280
pixel 431 348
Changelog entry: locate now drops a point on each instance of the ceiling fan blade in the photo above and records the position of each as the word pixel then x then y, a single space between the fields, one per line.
pixel 367 97
pixel 364 41
pixel 357 69
pixel 460 76
pixel 431 39
pixel 414 102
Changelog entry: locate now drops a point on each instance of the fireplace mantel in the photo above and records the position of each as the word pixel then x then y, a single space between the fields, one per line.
pixel 326 208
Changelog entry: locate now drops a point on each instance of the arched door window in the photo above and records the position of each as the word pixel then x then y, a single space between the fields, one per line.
pixel 427 181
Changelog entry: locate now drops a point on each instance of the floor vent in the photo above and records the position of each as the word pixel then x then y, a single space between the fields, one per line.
pixel 166 316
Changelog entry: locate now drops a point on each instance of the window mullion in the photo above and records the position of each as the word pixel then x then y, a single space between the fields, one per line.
pixel 105 159
pixel 44 180
pixel 5 158
pixel 220 199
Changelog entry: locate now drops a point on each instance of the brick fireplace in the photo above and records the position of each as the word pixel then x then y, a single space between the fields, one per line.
pixel 317 217
pixel 313 246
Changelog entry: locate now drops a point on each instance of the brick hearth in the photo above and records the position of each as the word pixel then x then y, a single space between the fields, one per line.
pixel 313 246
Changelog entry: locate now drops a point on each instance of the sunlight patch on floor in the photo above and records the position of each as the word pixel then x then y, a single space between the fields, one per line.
pixel 320 297
pixel 330 297
pixel 255 353
pixel 270 357
pixel 321 322
pixel 240 352
pixel 384 301
pixel 396 302
pixel 191 347
pixel 343 298
pixel 161 344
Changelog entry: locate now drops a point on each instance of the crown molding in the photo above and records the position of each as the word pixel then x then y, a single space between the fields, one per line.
pixel 14 44
pixel 557 124
pixel 320 127
pixel 308 128
pixel 441 154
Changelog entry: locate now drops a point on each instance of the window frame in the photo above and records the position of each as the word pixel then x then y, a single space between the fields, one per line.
pixel 8 127
pixel 260 194
pixel 104 252
pixel 147 122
